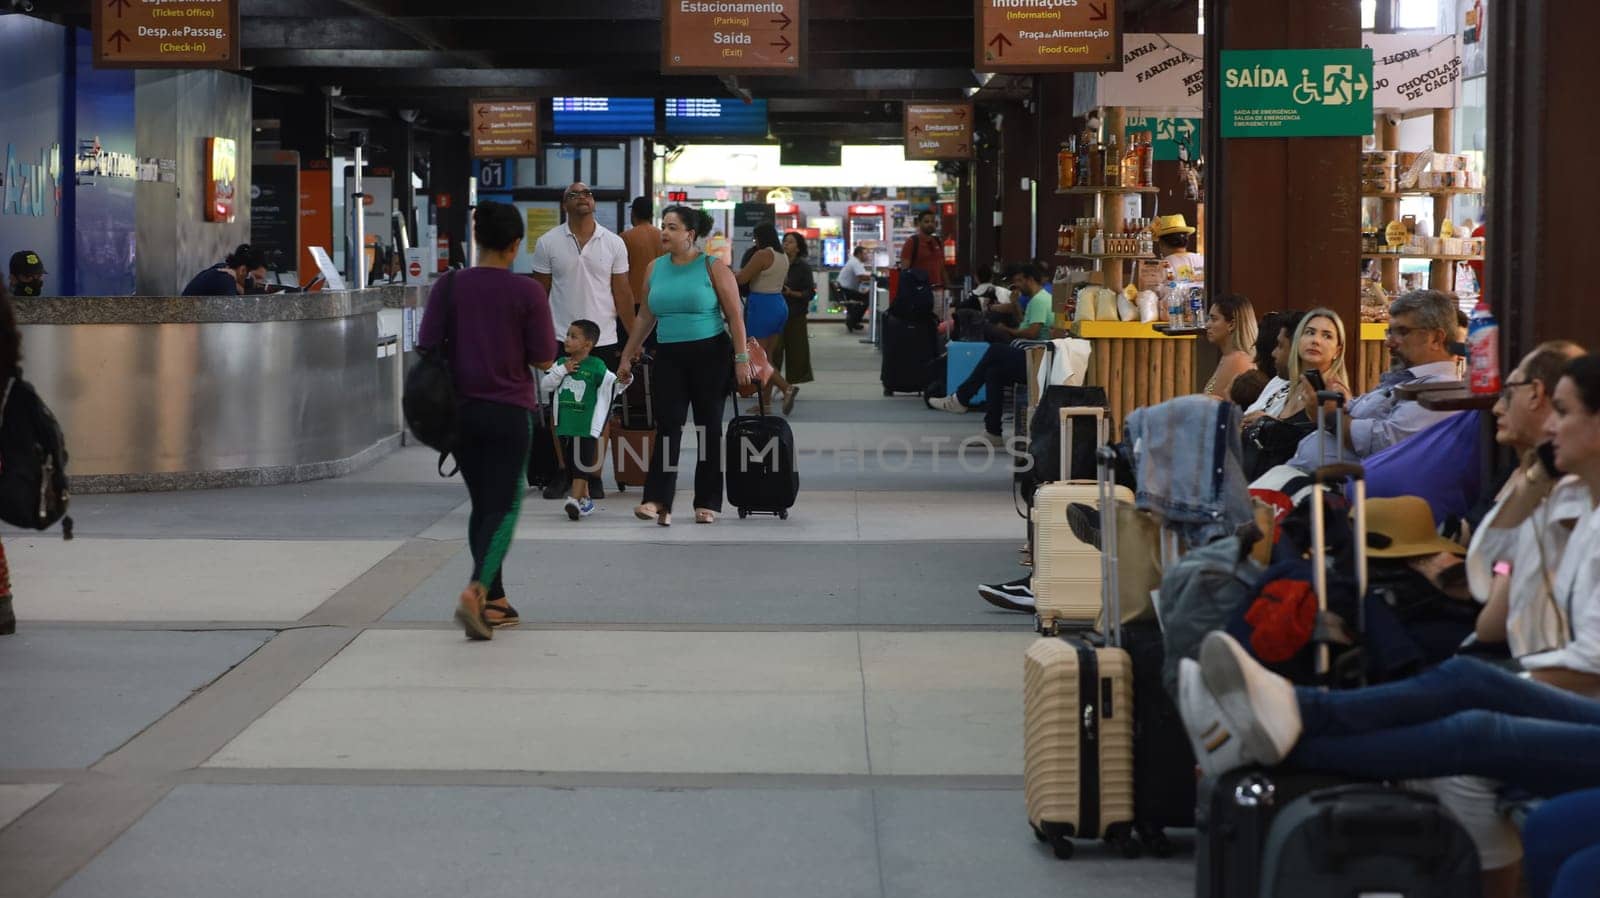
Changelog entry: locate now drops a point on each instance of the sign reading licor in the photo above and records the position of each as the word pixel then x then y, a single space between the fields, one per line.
pixel 1296 93
pixel 177 34
pixel 1048 36
pixel 938 130
pixel 731 36
pixel 504 128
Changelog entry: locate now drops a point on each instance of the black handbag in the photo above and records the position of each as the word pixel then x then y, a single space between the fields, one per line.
pixel 431 405
pixel 1270 442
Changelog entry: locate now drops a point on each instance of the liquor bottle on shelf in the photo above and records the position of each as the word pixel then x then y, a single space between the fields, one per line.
pixel 1097 165
pixel 1085 151
pixel 1066 165
pixel 1147 160
pixel 1132 171
pixel 1113 163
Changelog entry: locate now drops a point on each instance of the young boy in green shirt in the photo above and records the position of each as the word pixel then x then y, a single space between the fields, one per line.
pixel 582 391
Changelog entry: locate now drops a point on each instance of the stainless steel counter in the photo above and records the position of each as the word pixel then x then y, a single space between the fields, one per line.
pixel 162 393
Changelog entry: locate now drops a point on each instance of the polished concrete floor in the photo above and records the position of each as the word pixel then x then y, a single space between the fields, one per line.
pixel 259 692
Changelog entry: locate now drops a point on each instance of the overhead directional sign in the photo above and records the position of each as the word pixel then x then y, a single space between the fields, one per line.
pixel 938 130
pixel 1296 93
pixel 731 36
pixel 147 34
pixel 1048 36
pixel 503 128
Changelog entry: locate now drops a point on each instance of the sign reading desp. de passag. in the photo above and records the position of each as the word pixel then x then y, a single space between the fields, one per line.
pixel 1047 36
pixel 1296 93
pixel 502 128
pixel 188 34
pixel 938 130
pixel 731 36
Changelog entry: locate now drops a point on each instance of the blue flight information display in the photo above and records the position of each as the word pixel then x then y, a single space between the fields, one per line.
pixel 608 116
pixel 716 117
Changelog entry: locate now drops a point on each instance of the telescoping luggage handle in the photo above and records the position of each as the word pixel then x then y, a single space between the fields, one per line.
pixel 1110 589
pixel 1102 434
pixel 1324 476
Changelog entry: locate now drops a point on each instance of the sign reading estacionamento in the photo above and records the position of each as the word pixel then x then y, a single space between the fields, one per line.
pixel 1047 36
pixel 1296 93
pixel 503 128
pixel 731 36
pixel 938 130
pixel 150 34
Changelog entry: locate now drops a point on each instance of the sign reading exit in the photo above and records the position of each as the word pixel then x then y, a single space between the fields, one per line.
pixel 1296 93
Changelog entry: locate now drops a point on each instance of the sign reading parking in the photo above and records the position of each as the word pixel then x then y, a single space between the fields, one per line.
pixel 175 34
pixel 1296 93
pixel 502 128
pixel 1025 36
pixel 731 36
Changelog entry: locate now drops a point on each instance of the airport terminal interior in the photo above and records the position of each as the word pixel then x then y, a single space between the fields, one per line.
pixel 814 448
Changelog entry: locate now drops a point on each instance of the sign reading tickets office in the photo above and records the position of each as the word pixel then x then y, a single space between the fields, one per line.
pixel 1297 93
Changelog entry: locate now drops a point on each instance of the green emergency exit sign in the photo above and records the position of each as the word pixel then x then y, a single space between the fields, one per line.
pixel 1296 93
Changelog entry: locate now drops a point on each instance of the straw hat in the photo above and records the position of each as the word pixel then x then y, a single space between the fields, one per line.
pixel 1402 527
pixel 1170 224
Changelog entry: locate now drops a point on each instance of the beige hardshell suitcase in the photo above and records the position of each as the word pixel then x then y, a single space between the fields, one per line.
pixel 1078 723
pixel 1066 570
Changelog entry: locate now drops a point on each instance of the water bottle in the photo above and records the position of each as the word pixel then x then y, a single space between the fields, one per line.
pixel 1174 306
pixel 1483 350
pixel 1197 306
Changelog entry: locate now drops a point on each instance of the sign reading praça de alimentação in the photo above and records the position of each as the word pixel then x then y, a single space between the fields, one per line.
pixel 1296 93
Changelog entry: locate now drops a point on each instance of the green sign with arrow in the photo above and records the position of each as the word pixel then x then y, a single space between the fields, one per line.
pixel 1296 93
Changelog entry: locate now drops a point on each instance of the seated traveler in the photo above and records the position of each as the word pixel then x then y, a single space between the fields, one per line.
pixel 1003 364
pixel 1278 330
pixel 232 276
pixel 1422 325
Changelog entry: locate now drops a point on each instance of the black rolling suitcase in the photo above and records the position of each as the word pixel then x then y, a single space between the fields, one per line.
pixel 910 345
pixel 761 474
pixel 1163 762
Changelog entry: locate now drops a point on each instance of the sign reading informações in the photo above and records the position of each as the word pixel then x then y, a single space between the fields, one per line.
pixel 938 130
pixel 1296 93
pixel 1047 36
pixel 731 36
pixel 504 128
pixel 194 34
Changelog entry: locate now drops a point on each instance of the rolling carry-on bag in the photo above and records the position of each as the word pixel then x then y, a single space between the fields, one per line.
pixel 910 344
pixel 1078 723
pixel 762 477
pixel 630 455
pixel 1066 570
pixel 636 403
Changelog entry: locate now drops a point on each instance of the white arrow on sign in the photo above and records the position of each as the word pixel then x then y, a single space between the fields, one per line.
pixel 1362 87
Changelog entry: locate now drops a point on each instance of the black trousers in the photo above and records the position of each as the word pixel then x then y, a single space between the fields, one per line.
pixel 694 375
pixel 1000 367
pixel 582 456
pixel 493 454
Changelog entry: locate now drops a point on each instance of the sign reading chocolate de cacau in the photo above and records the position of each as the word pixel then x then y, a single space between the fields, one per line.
pixel 938 130
pixel 1048 36
pixel 198 34
pixel 731 36
pixel 502 128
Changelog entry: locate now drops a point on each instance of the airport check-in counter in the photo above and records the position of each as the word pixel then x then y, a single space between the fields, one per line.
pixel 167 392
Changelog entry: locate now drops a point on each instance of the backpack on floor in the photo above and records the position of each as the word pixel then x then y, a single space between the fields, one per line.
pixel 33 461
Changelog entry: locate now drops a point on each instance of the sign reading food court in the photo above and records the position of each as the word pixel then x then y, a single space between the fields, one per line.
pixel 731 36
pixel 197 34
pixel 1048 36
pixel 938 130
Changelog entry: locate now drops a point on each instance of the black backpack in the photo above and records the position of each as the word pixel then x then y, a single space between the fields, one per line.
pixel 33 461
pixel 430 402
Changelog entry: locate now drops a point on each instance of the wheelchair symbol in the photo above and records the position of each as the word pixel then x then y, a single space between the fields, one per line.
pixel 1306 92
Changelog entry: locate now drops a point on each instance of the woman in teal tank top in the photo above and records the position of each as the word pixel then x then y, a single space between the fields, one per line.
pixel 692 302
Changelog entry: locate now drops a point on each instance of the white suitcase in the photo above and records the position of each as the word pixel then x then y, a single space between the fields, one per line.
pixel 1066 570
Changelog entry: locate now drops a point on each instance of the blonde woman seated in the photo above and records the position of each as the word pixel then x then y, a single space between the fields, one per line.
pixel 1317 363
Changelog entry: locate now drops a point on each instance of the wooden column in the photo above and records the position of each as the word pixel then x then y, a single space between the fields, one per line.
pixel 1441 275
pixel 1388 129
pixel 1112 120
pixel 1541 147
pixel 1284 214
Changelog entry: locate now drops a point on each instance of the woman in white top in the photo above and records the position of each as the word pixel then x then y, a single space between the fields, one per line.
pixel 1273 346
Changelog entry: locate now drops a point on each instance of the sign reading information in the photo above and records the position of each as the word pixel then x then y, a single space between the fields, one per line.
pixel 938 130
pixel 1296 93
pixel 730 36
pixel 149 34
pixel 504 128
pixel 1048 36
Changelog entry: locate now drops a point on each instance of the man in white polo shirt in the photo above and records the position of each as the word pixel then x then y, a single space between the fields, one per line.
pixel 583 267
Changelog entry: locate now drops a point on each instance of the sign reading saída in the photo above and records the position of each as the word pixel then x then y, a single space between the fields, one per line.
pixel 938 130
pixel 731 36
pixel 1296 93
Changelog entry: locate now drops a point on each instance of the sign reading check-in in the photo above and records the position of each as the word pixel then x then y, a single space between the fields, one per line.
pixel 198 34
pixel 1296 93
pixel 1048 36
pixel 504 128
pixel 938 130
pixel 731 36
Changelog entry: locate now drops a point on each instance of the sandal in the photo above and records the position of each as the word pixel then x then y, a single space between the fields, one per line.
pixel 499 615
pixel 788 400
pixel 705 516
pixel 469 612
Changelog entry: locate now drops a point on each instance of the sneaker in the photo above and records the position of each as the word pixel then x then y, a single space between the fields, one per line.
pixel 948 404
pixel 574 510
pixel 1237 712
pixel 1014 596
pixel 585 507
pixel 1084 521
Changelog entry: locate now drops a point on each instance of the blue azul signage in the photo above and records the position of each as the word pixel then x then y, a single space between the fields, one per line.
pixel 32 187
